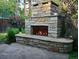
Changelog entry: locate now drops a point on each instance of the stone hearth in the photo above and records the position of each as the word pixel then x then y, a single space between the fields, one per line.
pixel 53 44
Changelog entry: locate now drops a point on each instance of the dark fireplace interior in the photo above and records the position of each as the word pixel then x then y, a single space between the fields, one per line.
pixel 39 30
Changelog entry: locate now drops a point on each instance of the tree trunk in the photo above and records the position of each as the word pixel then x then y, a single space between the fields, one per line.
pixel 24 7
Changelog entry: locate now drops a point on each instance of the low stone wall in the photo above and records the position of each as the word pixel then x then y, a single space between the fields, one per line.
pixel 63 47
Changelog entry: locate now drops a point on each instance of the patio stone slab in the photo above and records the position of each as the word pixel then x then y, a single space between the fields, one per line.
pixel 18 51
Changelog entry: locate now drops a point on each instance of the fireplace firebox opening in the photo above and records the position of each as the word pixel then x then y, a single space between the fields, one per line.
pixel 39 30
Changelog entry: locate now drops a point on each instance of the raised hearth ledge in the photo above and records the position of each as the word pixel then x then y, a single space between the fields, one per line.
pixel 60 40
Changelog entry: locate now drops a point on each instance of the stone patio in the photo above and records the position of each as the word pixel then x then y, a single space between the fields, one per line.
pixel 18 51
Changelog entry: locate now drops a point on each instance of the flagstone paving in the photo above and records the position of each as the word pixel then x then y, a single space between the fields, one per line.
pixel 18 51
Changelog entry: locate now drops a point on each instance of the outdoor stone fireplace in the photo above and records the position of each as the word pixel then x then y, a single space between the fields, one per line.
pixel 44 28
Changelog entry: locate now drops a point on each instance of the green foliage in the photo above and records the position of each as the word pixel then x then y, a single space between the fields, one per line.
pixel 15 30
pixel 68 6
pixel 3 38
pixel 73 55
pixel 69 9
pixel 22 14
pixel 23 17
pixel 23 30
pixel 30 13
pixel 11 36
pixel 56 1
pixel 7 7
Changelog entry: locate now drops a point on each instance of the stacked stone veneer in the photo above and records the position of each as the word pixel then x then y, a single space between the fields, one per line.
pixel 54 24
pixel 43 15
pixel 55 45
pixel 44 8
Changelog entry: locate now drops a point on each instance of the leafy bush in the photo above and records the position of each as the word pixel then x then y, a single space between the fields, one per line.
pixel 3 38
pixel 11 36
pixel 15 30
pixel 73 55
pixel 23 30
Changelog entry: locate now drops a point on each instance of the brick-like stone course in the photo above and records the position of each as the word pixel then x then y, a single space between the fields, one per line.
pixel 43 8
pixel 49 45
pixel 54 27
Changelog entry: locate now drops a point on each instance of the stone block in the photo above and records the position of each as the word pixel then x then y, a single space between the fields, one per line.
pixel 26 41
pixel 19 38
pixel 51 44
pixel 65 46
pixel 36 41
pixel 44 43
pixel 20 41
pixel 43 46
pixel 61 50
pixel 52 35
pixel 58 45
pixel 54 49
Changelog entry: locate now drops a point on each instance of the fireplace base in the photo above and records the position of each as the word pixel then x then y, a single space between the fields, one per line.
pixel 53 44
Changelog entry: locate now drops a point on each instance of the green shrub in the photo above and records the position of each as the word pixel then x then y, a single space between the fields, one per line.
pixel 3 38
pixel 23 30
pixel 20 29
pixel 11 36
pixel 15 30
pixel 73 55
